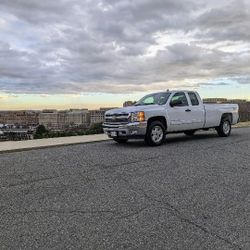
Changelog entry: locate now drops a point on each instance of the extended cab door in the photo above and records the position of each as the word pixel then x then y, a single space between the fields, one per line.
pixel 178 110
pixel 197 111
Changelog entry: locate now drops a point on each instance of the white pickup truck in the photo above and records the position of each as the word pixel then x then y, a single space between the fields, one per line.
pixel 158 114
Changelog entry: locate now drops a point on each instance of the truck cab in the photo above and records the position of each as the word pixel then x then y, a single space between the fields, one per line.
pixel 185 111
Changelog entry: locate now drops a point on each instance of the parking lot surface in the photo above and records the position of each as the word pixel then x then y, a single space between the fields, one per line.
pixel 190 193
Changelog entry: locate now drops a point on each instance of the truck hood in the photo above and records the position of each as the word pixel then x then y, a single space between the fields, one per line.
pixel 130 109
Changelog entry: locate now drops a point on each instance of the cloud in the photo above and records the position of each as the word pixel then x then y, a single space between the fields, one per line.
pixel 213 84
pixel 242 79
pixel 58 47
pixel 229 22
pixel 7 96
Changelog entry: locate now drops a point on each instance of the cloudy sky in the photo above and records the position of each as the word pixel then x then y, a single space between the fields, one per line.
pixel 74 53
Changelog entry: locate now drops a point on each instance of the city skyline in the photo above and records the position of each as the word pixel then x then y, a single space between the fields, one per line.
pixel 89 54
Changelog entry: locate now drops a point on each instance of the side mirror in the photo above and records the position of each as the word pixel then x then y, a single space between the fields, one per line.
pixel 176 103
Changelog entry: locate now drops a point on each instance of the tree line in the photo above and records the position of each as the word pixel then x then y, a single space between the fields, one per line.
pixel 42 132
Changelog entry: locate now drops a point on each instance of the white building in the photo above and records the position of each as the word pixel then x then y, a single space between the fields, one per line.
pixel 64 119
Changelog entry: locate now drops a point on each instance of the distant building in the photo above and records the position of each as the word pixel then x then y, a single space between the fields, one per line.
pixel 214 100
pixel 96 116
pixel 236 101
pixel 244 110
pixel 49 119
pixel 20 118
pixel 107 108
pixel 64 119
pixel 77 118
pixel 49 110
pixel 128 103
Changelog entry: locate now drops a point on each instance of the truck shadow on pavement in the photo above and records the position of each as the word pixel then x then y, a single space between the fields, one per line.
pixel 177 138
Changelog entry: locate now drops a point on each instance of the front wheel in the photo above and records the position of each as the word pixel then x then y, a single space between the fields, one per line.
pixel 120 140
pixel 155 134
pixel 224 129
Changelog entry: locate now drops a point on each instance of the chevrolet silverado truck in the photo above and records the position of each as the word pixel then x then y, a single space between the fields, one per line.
pixel 158 114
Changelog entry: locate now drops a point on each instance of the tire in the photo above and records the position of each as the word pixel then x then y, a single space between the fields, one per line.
pixel 189 132
pixel 224 130
pixel 155 134
pixel 120 140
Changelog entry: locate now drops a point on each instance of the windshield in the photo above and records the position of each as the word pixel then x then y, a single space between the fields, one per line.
pixel 157 98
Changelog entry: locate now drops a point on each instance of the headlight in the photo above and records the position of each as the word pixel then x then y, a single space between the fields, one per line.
pixel 137 116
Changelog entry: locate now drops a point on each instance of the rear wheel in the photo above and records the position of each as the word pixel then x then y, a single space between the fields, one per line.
pixel 155 134
pixel 189 132
pixel 120 140
pixel 225 127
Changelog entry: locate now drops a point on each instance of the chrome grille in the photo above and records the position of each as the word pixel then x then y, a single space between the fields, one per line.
pixel 117 118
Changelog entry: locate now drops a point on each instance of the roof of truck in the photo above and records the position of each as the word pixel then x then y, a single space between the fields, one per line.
pixel 180 90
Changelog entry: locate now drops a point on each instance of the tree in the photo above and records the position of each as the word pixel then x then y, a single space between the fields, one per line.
pixel 95 128
pixel 41 132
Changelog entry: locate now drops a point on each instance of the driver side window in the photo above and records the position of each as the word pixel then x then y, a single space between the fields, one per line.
pixel 179 98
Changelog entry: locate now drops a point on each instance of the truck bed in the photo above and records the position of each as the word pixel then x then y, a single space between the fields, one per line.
pixel 214 112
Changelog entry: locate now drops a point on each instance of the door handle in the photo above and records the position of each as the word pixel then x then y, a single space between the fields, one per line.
pixel 188 110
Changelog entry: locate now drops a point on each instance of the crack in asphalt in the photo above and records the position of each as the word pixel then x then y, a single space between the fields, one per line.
pixel 59 212
pixel 30 182
pixel 118 214
pixel 134 213
pixel 177 213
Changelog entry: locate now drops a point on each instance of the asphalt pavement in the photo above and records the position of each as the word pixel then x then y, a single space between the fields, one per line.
pixel 190 193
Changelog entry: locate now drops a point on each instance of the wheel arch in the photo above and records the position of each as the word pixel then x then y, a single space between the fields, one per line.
pixel 161 119
pixel 227 115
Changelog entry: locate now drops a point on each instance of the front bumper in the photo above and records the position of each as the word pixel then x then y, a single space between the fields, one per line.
pixel 129 130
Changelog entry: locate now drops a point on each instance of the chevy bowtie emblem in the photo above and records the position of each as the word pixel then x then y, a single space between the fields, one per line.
pixel 113 117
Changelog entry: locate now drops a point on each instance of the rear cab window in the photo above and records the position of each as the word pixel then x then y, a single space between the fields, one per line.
pixel 193 98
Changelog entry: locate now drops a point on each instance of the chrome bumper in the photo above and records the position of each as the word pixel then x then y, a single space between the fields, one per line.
pixel 129 130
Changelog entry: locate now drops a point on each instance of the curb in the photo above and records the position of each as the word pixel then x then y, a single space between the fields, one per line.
pixel 49 146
